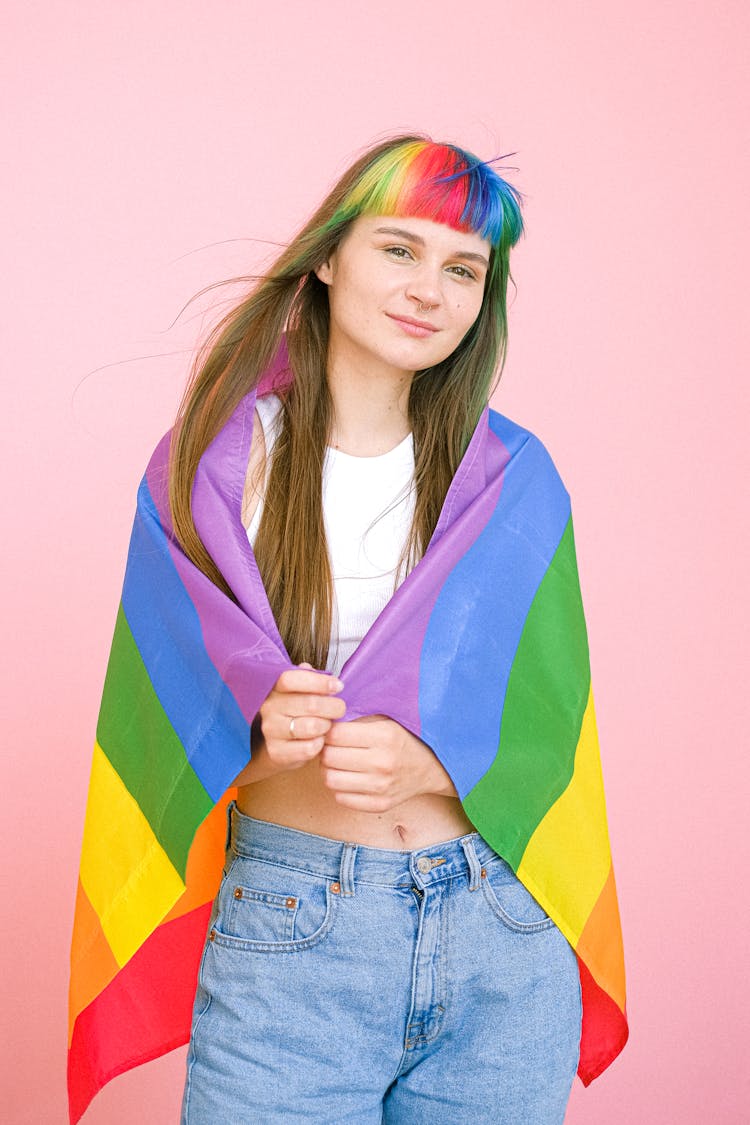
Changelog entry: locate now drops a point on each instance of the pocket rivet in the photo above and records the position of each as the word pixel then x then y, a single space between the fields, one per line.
pixel 484 873
pixel 212 935
pixel 291 903
pixel 336 888
pixel 238 892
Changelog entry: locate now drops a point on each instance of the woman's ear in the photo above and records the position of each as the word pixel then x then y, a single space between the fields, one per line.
pixel 324 272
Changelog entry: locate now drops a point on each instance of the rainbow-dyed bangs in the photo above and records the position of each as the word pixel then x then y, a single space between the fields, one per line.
pixel 424 179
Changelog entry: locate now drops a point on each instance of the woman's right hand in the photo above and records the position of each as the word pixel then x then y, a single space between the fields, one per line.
pixel 297 714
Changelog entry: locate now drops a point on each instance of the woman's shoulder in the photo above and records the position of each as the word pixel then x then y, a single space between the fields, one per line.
pixel 512 434
pixel 524 446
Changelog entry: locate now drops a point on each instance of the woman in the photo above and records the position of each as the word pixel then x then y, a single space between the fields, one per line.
pixel 370 956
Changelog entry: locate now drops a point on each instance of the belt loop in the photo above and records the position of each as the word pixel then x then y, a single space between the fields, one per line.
pixel 475 867
pixel 230 808
pixel 346 874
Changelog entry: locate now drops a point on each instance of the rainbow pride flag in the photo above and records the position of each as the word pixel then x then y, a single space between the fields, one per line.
pixel 482 652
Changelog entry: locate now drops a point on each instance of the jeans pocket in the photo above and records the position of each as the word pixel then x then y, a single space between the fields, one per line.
pixel 264 907
pixel 510 901
pixel 260 916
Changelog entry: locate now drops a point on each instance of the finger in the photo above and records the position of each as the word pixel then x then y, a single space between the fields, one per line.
pixel 307 748
pixel 349 758
pixel 353 734
pixel 322 706
pixel 296 752
pixel 308 680
pixel 305 726
pixel 346 781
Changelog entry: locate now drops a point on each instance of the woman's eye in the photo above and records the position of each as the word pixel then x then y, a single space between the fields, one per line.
pixel 398 251
pixel 462 271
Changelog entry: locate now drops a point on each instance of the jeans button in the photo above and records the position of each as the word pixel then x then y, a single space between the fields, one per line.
pixel 423 864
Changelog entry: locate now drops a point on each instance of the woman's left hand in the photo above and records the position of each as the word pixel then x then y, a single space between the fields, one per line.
pixel 373 764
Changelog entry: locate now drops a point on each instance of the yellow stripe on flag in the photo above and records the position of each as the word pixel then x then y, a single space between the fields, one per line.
pixel 125 872
pixel 567 860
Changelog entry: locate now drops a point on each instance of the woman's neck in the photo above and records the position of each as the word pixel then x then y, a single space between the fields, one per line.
pixel 370 409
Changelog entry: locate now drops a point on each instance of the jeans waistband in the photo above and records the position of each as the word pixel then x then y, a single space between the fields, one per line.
pixel 348 862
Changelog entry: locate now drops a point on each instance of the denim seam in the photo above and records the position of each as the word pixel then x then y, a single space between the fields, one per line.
pixel 440 971
pixel 334 874
pixel 329 875
pixel 421 1040
pixel 505 918
pixel 408 1042
pixel 443 973
pixel 191 1060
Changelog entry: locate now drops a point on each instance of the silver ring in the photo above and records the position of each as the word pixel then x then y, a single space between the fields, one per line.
pixel 291 729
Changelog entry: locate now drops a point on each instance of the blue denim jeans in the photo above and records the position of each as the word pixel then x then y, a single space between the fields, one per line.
pixel 343 983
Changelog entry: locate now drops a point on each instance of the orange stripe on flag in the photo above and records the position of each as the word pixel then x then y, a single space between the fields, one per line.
pixel 92 963
pixel 205 860
pixel 599 945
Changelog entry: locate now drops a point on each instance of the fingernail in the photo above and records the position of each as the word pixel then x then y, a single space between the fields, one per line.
pixel 336 685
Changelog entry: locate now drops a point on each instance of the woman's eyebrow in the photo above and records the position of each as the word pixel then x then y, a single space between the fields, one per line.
pixel 400 232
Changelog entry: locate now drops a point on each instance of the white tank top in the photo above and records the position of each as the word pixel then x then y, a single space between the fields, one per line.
pixel 368 508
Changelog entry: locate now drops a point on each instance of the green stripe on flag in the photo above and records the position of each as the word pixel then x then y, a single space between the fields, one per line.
pixel 142 746
pixel 548 687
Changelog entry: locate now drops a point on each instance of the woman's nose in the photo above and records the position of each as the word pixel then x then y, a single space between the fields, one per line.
pixel 425 288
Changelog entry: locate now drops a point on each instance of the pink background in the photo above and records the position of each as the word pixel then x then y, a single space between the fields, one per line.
pixel 148 146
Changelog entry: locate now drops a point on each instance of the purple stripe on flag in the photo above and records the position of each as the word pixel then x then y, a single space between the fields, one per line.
pixel 247 659
pixel 382 675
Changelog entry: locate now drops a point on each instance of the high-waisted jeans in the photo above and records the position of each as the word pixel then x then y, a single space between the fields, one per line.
pixel 343 983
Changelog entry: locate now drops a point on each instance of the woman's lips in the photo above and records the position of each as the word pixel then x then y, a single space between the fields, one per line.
pixel 413 327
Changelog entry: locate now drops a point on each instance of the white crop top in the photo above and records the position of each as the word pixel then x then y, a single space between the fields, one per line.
pixel 368 508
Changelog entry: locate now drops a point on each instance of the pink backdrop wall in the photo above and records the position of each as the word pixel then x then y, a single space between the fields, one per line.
pixel 145 143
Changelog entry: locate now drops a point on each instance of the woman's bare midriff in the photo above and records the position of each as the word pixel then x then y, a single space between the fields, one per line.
pixel 299 799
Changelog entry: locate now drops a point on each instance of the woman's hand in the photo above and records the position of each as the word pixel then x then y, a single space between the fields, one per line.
pixel 292 721
pixel 374 763
pixel 297 713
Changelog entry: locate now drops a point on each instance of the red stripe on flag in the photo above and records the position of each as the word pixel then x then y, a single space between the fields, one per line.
pixel 604 1031
pixel 141 1014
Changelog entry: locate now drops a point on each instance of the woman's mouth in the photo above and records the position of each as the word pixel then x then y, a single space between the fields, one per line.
pixel 412 327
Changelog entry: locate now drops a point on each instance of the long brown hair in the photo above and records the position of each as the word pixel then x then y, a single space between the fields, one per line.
pixel 404 175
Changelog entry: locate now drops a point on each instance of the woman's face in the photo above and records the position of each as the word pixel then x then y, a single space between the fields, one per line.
pixel 402 292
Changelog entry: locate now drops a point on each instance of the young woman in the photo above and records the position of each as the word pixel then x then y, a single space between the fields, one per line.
pixel 405 651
